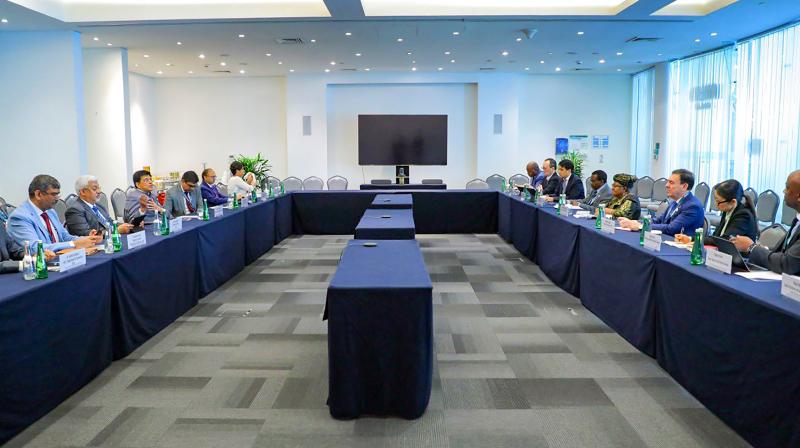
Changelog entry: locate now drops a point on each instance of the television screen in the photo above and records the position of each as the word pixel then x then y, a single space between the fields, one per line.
pixel 402 139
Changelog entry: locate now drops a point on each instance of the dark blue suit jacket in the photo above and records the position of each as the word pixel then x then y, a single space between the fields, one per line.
pixel 688 216
pixel 574 188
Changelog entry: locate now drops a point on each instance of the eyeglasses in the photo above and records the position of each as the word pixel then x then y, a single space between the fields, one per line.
pixel 722 202
pixel 190 185
pixel 54 194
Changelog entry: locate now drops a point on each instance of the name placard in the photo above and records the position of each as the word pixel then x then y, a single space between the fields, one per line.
pixel 652 241
pixel 137 239
pixel 719 261
pixel 563 210
pixel 175 225
pixel 607 226
pixel 218 210
pixel 790 286
pixel 72 260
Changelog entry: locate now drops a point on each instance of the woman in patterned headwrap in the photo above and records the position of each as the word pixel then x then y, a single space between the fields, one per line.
pixel 623 204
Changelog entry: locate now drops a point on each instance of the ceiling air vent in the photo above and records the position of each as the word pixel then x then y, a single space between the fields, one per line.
pixel 290 41
pixel 487 69
pixel 227 72
pixel 348 70
pixel 637 39
pixel 581 69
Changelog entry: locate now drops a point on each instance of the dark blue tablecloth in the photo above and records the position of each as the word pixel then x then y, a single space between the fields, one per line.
pixel 221 248
pixel 525 218
pixel 56 337
pixel 735 345
pixel 392 201
pixel 283 217
pixel 557 250
pixel 504 217
pixel 153 285
pixel 377 224
pixel 259 222
pixel 404 187
pixel 380 331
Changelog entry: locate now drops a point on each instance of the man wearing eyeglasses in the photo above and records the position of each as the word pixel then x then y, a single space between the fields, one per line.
pixel 141 201
pixel 35 219
pixel 210 191
pixel 184 198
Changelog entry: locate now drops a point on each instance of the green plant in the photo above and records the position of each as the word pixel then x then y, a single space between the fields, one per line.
pixel 257 165
pixel 578 159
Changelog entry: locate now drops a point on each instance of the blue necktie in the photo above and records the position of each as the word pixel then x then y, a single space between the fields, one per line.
pixel 100 216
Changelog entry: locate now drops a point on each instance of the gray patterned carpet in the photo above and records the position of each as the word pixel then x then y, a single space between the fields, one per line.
pixel 519 363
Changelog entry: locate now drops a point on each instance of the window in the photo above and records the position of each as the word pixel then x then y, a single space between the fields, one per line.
pixel 642 121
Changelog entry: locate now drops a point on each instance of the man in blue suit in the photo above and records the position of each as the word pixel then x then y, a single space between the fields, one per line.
pixel 685 212
pixel 35 219
pixel 568 184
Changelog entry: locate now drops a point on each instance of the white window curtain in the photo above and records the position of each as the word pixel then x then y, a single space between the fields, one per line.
pixel 767 147
pixel 700 115
pixel 642 121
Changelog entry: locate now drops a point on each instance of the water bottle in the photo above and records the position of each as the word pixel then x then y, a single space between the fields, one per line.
pixel 271 192
pixel 109 247
pixel 157 224
pixel 697 258
pixel 28 272
pixel 205 210
pixel 41 263
pixel 283 190
pixel 601 213
pixel 116 240
pixel 164 224
pixel 562 199
pixel 645 228
pixel 253 196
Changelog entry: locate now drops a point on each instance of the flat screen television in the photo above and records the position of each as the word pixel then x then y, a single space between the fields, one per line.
pixel 402 139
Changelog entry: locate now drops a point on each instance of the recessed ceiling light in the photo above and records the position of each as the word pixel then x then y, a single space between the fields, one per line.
pixel 191 72
pixel 447 53
pixel 659 54
pixel 109 44
pixel 169 64
pixel 348 34
pixel 452 61
pixel 269 54
pixel 602 61
pixel 223 63
pixel 179 43
pixel 619 53
pixel 542 61
pixel 95 38
pixel 399 39
pixel 333 62
pixel 558 69
pixel 135 65
pixel 527 68
pixel 241 36
pixel 440 68
pixel 3 20
pixel 242 72
pixel 159 72
pixel 367 69
pixel 313 41
pixel 619 69
pixel 408 53
pixel 413 69
pixel 327 70
pixel 714 34
pixel 291 70
pixel 358 54
pixel 456 33
pixel 201 56
pixel 580 33
pixel 505 53
pixel 147 56
pixel 550 53
pixel 519 39
pixel 697 40
pixel 280 62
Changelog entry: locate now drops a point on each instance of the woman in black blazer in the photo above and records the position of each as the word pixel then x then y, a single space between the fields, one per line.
pixel 738 213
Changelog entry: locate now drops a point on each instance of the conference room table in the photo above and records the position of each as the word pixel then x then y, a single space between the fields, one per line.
pixel 392 201
pixel 403 187
pixel 731 342
pixel 386 224
pixel 380 331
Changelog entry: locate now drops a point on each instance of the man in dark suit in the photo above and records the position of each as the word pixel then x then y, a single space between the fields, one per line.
pixel 184 198
pixel 601 192
pixel 685 212
pixel 550 182
pixel 568 183
pixel 786 258
pixel 86 214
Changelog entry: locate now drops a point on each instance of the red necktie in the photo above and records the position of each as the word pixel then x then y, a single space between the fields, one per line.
pixel 49 227
pixel 188 203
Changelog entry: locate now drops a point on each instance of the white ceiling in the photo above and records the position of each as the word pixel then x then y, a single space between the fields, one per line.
pixel 479 43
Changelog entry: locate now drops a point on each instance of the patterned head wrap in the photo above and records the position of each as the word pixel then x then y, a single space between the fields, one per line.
pixel 626 180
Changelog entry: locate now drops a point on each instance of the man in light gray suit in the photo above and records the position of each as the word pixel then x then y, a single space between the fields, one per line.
pixel 141 201
pixel 601 192
pixel 184 198
pixel 86 214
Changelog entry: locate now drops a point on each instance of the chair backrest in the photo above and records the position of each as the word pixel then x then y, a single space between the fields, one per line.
pixel 519 179
pixel 292 183
pixel 787 215
pixel 767 207
pixel 432 181
pixel 274 181
pixel 381 182
pixel 118 203
pixel 662 207
pixel 706 225
pixel 61 210
pixel 102 199
pixel 223 189
pixel 337 183
pixel 496 182
pixel 713 202
pixel 659 190
pixel 70 199
pixel 587 184
pixel 772 236
pixel 313 183
pixel 477 184
pixel 644 187
pixel 2 202
pixel 752 194
pixel 701 192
